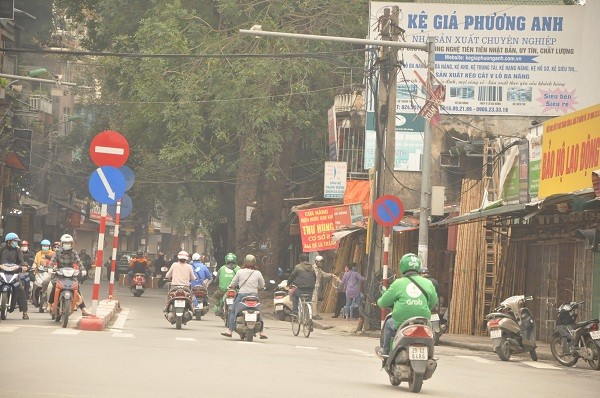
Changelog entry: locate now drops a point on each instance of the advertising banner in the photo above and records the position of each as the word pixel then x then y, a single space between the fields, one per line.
pixel 316 227
pixel 493 59
pixel 570 152
pixel 535 158
pixel 334 183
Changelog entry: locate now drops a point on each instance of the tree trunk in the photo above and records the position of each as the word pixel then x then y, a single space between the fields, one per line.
pixel 246 192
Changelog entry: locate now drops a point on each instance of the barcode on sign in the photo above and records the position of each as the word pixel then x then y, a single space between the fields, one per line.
pixel 490 93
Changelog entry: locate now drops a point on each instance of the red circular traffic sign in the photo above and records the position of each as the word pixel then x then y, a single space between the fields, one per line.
pixel 109 148
pixel 388 210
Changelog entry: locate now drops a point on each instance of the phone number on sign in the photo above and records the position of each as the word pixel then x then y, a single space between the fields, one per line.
pixel 498 109
pixel 458 108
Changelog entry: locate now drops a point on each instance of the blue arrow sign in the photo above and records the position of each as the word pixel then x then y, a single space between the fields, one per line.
pixel 129 177
pixel 126 207
pixel 107 185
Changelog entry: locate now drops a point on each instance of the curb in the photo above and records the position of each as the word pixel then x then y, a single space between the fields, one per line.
pixel 105 312
pixel 546 356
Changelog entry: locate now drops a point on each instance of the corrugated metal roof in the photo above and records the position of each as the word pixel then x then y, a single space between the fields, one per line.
pixel 494 2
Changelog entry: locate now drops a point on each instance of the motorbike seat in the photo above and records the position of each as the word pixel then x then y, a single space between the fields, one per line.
pixel 250 298
pixel 585 323
pixel 498 315
pixel 417 320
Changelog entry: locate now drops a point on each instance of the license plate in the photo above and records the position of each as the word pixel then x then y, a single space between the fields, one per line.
pixel 495 334
pixel 417 353
pixel 279 307
pixel 200 306
pixel 229 301
pixel 435 317
pixel 179 303
pixel 139 287
pixel 595 335
pixel 250 317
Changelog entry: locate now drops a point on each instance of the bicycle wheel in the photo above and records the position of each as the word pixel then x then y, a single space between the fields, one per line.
pixel 307 320
pixel 296 322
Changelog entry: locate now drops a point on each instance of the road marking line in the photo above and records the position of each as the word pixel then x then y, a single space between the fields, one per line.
pixel 361 352
pixel 121 319
pixel 185 338
pixel 303 347
pixel 69 332
pixel 127 335
pixel 8 329
pixel 38 326
pixel 539 365
pixel 474 358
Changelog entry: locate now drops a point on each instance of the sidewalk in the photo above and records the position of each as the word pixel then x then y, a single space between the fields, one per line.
pixel 475 343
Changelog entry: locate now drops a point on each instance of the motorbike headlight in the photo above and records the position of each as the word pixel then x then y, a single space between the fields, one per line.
pixel 68 272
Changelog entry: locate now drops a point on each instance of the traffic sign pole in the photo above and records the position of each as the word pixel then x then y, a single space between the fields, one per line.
pixel 386 257
pixel 113 264
pixel 99 254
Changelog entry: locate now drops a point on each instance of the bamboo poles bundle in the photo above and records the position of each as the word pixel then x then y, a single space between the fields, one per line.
pixel 470 241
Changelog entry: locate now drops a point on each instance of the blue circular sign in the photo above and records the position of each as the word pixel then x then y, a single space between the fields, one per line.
pixel 388 210
pixel 126 207
pixel 129 177
pixel 107 185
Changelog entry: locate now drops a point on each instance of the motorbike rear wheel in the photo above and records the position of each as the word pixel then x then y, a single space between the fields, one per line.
pixel 416 383
pixel 533 355
pixel 178 321
pixel 557 349
pixel 281 315
pixel 503 350
pixel 137 293
pixel 66 311
pixel 595 362
pixel 249 336
pixel 4 305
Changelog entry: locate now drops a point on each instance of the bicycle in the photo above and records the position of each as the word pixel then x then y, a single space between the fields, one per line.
pixel 304 317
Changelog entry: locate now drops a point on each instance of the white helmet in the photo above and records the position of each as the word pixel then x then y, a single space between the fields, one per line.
pixel 66 238
pixel 250 259
pixel 183 255
pixel 319 258
pixel 196 257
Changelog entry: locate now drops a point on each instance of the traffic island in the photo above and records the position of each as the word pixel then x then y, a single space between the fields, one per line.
pixel 105 312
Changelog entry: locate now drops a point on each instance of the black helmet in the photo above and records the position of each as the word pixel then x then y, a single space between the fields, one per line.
pixel 139 253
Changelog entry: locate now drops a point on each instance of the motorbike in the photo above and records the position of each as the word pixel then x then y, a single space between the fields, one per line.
pixel 138 284
pixel 512 328
pixel 573 340
pixel 411 354
pixel 65 294
pixel 248 321
pixel 282 301
pixel 179 306
pixel 9 288
pixel 38 294
pixel 439 324
pixel 228 303
pixel 201 306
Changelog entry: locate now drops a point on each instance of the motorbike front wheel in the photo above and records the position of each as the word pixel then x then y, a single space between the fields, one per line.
pixel 4 305
pixel 416 383
pixel 503 350
pixel 533 355
pixel 66 311
pixel 593 349
pixel 394 381
pixel 40 301
pixel 556 348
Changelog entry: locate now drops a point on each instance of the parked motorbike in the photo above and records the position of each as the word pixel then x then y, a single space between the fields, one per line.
pixel 439 323
pixel 179 306
pixel 9 288
pixel 228 303
pixel 138 284
pixel 411 354
pixel 65 294
pixel 282 301
pixel 512 328
pixel 201 306
pixel 248 321
pixel 573 340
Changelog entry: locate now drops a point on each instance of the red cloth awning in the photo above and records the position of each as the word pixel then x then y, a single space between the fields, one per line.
pixel 359 191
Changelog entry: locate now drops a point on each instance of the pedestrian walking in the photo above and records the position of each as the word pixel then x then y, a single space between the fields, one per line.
pixel 351 282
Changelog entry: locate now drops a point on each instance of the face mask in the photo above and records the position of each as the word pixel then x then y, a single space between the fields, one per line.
pixel 67 246
pixel 45 248
pixel 15 245
pixel 25 249
pixel 182 260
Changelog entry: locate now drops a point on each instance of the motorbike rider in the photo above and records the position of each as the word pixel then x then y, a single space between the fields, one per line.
pixel 224 277
pixel 42 258
pixel 86 260
pixel 159 263
pixel 180 273
pixel 411 296
pixel 66 257
pixel 319 274
pixel 10 253
pixel 138 265
pixel 425 274
pixel 304 278
pixel 203 275
pixel 249 280
pixel 28 255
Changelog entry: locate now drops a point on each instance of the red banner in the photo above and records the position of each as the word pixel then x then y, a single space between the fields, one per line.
pixel 316 227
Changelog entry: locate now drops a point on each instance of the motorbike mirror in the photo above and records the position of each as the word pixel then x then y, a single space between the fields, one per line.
pixel 164 269
pixel 272 282
pixel 215 273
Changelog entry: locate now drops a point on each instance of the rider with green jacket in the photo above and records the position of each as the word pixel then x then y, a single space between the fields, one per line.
pixel 224 277
pixel 412 295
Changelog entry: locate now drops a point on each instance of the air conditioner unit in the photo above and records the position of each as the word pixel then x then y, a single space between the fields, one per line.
pixel 447 160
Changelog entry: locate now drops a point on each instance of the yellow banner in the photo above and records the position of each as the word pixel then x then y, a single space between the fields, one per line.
pixel 570 152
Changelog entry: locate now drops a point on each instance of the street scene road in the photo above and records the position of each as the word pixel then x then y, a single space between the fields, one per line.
pixel 141 355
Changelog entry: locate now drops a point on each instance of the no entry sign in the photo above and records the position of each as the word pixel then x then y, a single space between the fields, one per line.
pixel 109 148
pixel 388 210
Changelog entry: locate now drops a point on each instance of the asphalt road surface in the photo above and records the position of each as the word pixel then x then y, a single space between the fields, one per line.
pixel 142 355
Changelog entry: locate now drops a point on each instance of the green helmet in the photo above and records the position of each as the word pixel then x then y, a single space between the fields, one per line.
pixel 410 262
pixel 230 258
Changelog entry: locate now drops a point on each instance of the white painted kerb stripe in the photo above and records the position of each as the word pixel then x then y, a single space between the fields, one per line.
pixel 109 150
pixel 474 358
pixel 540 365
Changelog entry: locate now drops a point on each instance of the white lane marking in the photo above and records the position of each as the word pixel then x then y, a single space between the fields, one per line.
pixel 39 326
pixel 540 365
pixel 474 358
pixel 126 335
pixel 121 319
pixel 69 332
pixel 8 329
pixel 361 352
pixel 304 347
pixel 185 338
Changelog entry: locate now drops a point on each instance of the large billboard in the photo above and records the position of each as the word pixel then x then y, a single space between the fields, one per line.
pixel 493 59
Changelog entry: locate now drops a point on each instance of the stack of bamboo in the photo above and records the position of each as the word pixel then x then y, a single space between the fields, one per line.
pixel 511 273
pixel 467 268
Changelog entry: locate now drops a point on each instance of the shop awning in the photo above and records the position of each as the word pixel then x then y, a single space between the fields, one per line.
pixel 338 235
pixel 68 205
pixel 517 209
pixel 27 201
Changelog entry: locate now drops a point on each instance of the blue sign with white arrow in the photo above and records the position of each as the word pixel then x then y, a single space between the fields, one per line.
pixel 107 185
pixel 126 207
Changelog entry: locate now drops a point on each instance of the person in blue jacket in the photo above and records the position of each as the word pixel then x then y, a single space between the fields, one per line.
pixel 203 275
